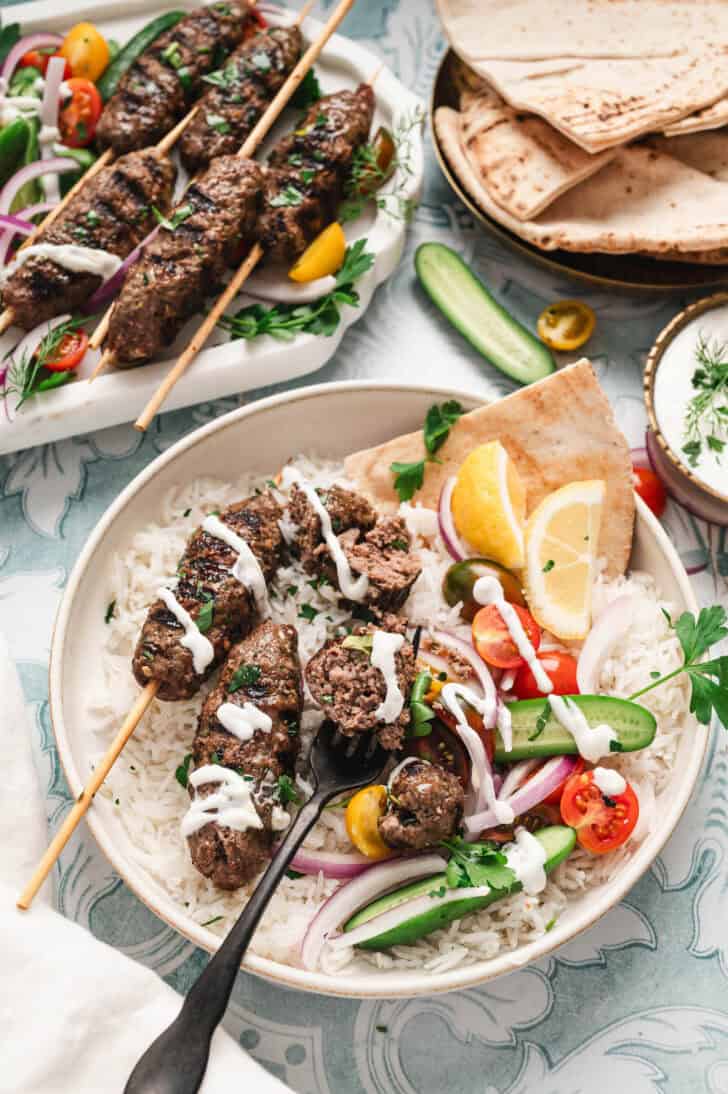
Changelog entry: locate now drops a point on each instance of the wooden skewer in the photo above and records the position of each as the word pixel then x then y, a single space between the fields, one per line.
pixel 83 801
pixel 255 254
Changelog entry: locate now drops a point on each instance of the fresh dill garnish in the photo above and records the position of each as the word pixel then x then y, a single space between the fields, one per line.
pixel 706 416
pixel 28 375
pixel 368 175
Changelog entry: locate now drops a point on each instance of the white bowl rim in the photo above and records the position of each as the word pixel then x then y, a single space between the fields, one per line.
pixel 357 985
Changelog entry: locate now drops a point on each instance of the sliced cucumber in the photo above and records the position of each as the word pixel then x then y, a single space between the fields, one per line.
pixel 466 302
pixel 634 725
pixel 558 843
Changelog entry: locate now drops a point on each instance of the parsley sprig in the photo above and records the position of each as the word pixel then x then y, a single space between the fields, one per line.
pixel 285 321
pixel 706 415
pixel 709 679
pixel 308 91
pixel 409 477
pixel 476 864
pixel 286 791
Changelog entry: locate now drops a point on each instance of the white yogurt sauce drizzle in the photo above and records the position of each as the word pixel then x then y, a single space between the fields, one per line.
pixel 243 721
pixel 527 857
pixel 231 806
pixel 200 647
pixel 384 647
pixel 592 744
pixel 69 256
pixel 247 568
pixel 351 587
pixel 488 590
pixel 610 782
pixel 485 794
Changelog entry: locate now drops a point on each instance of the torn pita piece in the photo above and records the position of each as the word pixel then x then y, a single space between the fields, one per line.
pixel 558 430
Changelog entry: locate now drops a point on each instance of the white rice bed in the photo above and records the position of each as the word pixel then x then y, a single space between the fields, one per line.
pixel 151 802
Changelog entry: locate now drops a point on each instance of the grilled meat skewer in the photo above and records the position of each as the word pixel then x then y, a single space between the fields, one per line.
pixel 162 83
pixel 113 213
pixel 208 586
pixel 180 266
pixel 238 94
pixel 263 671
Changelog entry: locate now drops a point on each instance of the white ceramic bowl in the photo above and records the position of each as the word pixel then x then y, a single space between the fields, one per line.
pixel 333 420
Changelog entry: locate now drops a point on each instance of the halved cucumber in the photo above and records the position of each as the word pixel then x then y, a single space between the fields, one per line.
pixel 634 725
pixel 558 843
pixel 466 302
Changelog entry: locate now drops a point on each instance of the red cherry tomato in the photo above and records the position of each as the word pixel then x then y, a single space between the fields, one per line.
pixel 650 489
pixel 39 58
pixel 602 824
pixel 78 119
pixel 475 722
pixel 555 796
pixel 442 747
pixel 560 669
pixel 493 639
pixel 256 22
pixel 70 352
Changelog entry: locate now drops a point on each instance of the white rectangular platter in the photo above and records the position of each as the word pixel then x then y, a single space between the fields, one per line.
pixel 225 367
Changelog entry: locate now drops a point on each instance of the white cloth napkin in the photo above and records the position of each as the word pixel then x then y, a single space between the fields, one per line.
pixel 75 1015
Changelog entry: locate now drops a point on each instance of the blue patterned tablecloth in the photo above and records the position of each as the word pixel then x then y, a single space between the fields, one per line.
pixel 637 1004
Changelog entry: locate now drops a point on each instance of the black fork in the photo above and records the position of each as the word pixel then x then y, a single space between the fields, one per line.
pixel 175 1063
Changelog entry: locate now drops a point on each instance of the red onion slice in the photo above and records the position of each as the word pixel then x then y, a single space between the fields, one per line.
pixel 106 292
pixel 551 775
pixel 640 457
pixel 388 921
pixel 606 632
pixel 479 667
pixel 340 865
pixel 453 544
pixel 349 898
pixel 31 41
pixel 55 165
pixel 516 776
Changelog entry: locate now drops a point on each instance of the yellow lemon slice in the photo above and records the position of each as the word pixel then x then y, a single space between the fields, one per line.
pixel 489 505
pixel 322 257
pixel 562 536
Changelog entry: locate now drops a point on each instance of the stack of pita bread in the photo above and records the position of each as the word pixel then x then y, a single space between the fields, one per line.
pixel 594 126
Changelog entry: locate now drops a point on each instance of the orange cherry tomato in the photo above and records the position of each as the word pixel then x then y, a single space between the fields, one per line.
pixel 493 640
pixel 78 119
pixel 602 824
pixel 566 325
pixel 649 488
pixel 70 352
pixel 560 669
pixel 39 58
pixel 87 51
pixel 362 821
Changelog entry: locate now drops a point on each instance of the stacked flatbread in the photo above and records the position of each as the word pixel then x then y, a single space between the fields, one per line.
pixel 599 128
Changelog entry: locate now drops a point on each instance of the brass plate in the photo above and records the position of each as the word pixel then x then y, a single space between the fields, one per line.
pixel 630 273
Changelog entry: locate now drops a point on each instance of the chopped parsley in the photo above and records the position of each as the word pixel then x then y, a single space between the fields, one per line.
pixel 295 159
pixel 110 610
pixel 472 865
pixel 209 922
pixel 307 612
pixel 224 77
pixel 179 216
pixel 289 195
pixel 287 792
pixel 93 217
pixel 399 545
pixel 541 722
pixel 548 566
pixel 435 893
pixel 186 512
pixel 244 676
pixel 205 616
pixel 551 924
pixel 294 874
pixel 408 478
pixel 182 773
pixel 172 55
pixel 307 92
pixel 218 123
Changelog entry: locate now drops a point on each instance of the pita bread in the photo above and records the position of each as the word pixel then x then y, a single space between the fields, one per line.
pixel 522 162
pixel 558 430
pixel 642 201
pixel 602 72
pixel 712 117
pixel 706 152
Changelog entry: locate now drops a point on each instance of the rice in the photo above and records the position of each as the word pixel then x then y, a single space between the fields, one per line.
pixel 151 802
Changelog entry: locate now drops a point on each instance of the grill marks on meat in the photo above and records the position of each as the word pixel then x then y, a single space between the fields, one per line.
pixel 244 87
pixel 345 684
pixel 113 213
pixel 179 268
pixel 204 573
pixel 378 548
pixel 425 805
pixel 158 88
pixel 308 169
pixel 228 857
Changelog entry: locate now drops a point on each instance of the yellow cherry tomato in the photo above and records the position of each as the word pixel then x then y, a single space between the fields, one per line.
pixel 322 257
pixel 86 50
pixel 567 324
pixel 362 814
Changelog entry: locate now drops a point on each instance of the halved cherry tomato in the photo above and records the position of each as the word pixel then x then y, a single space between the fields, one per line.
pixel 362 816
pixel 78 119
pixel 443 747
pixel 649 488
pixel 493 639
pixel 380 166
pixel 39 58
pixel 560 669
pixel 566 325
pixel 256 22
pixel 602 824
pixel 86 50
pixel 70 352
pixel 475 722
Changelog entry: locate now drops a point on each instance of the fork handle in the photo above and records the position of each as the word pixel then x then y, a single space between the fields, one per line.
pixel 175 1063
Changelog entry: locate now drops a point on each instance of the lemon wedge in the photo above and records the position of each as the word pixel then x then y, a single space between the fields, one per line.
pixel 321 258
pixel 562 536
pixel 489 505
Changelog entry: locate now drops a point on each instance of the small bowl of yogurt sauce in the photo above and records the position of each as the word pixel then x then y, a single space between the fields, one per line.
pixel 686 396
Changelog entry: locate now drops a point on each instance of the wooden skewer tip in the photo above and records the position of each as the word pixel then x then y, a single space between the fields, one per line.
pixel 107 358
